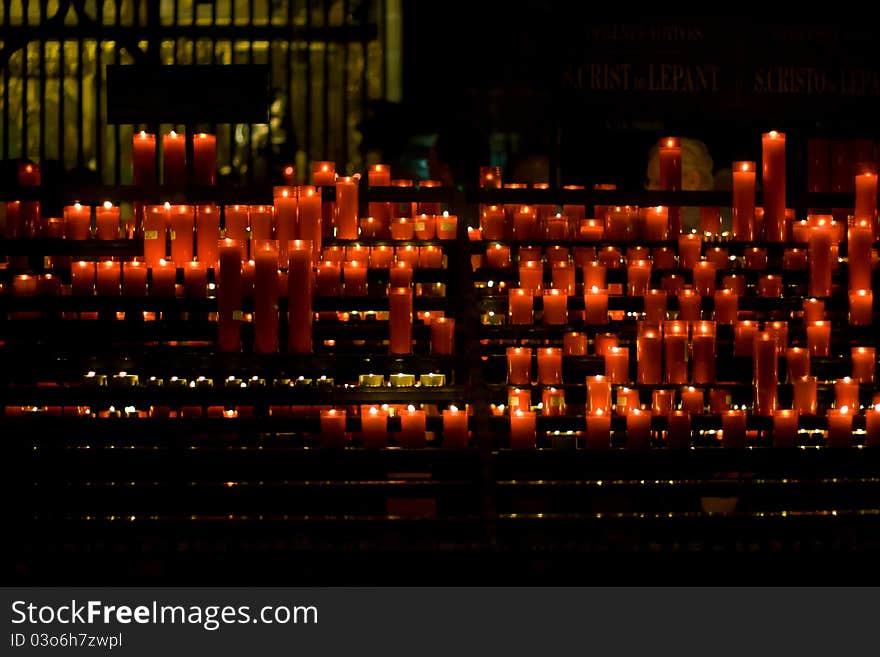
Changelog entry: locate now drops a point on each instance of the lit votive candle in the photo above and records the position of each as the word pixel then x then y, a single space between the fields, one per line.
pixel 846 393
pixel 552 402
pixel 733 425
pixel 332 428
pixel 412 428
pixel 689 247
pixel 819 339
pixel 678 432
pixel 638 277
pixel 108 278
pixel 627 400
pixel 839 426
pixel 446 226
pixel 804 395
pixel 655 305
pixel 766 378
pixel 550 366
pixel 638 429
pixel 692 400
pixel 355 277
pixel 498 256
pixel 662 402
pixel 594 275
pixel 703 345
pixel 770 286
pixel 785 428
pixel 562 274
pixel 726 304
pixel 863 363
pixel 744 337
pixel 134 279
pixel 574 344
pixel 523 433
pixel 596 306
pixel 602 342
pixel 872 426
pixel 598 394
pixel 520 309
pixel 163 279
pixel 555 307
pixel 195 280
pixel 374 428
pixel 814 310
pixel 648 355
pixel 675 352
pixel 704 278
pixel 77 220
pixel 455 428
pixel 861 307
pixel 797 361
pixel 82 278
pixel 443 335
pixel 598 430
pixel 617 364
pixel 107 221
pixel 689 303
pixel 519 365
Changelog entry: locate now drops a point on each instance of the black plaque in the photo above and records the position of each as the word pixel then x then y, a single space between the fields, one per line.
pixel 188 94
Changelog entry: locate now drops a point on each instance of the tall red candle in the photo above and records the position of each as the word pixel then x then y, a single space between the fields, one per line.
pixel 173 159
pixel 648 355
pixel 563 276
pixel 726 304
pixel 355 276
pixel 182 226
pixel 733 424
pixel 400 320
pixel 670 176
pixel 863 363
pixel 550 366
pixel 655 305
pixel 107 221
pixel 144 158
pixel 821 238
pixel 872 426
pixel 744 201
pixel 861 307
pixel 229 297
pixel 260 220
pixel 299 295
pixel 82 278
pixel 675 352
pixel 237 225
pixel 204 158
pixel 773 179
pixel 846 393
pixel 266 300
pixel 703 347
pixel 866 197
pixel 766 376
pixel 347 208
pixel 285 204
pixel 804 395
pixel 310 217
pixel 859 255
pixel 155 226
pixel 134 279
pixel 77 219
pixel 207 234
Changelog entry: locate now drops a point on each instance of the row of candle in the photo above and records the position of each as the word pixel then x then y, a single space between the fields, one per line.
pixel 174 171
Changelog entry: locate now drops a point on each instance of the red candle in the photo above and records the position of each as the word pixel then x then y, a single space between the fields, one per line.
pixel 770 286
pixel 814 310
pixel 207 234
pixel 861 307
pixel 374 428
pixel 766 376
pixel 347 208
pixel 163 279
pixel 285 207
pixel 446 226
pixel 704 278
pixel 156 219
pixel 819 339
pixel 678 433
pixel 522 429
pixel 726 302
pixel 744 200
pixel 443 335
pixel 550 366
pixel 425 227
pixel 525 222
pixel 839 426
pixel 689 247
pixel 328 283
pixel 656 223
pixel 638 277
pixel 518 398
pixel 323 173
pixel 574 344
pixel 531 276
pixel 492 222
pixel 591 230
pixel 602 342
pixel 402 228
pixel 804 395
pixel 670 176
pixel 555 307
pixel 703 347
pixel 134 279
pixel 229 297
pixel 859 255
pixel 638 429
pixel 797 363
pixel 648 345
pixel 617 364
pixel 866 196
pixel 520 306
pixel 689 305
pixel 598 429
pixel 627 400
pixel 309 220
pixel 24 285
pixel 82 278
pixel 773 179
pixel 355 275
pixel 455 428
pixel 820 260
pixel 598 394
pixel 381 257
pixel 408 254
pixel 872 426
pixel 237 225
pixel 182 225
pixel 108 279
pixel 412 428
pixel 400 320
pixel 794 259
pixel 107 221
pixel 785 428
pixel 490 177
pixel 266 300
pixel 562 274
pixel 692 400
pixel 557 227
pixel 655 305
pixel 144 158
pixel 733 426
pixel 431 257
pixel 260 219
pixel 77 219
pixel 204 158
pixel 498 256
pixel 332 428
pixel 744 337
pixel 195 279
pixel 863 364
pixel 173 159
pixel 594 275
pixel 596 306
pixel 401 275
pixel 299 295
pixel 552 402
pixel 675 351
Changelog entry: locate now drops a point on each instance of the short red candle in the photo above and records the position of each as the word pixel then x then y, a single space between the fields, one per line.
pixel 431 257
pixel 726 303
pixel 299 297
pixel 598 430
pixel 522 429
pixel 107 221
pixel 596 306
pixel 770 286
pixel 638 429
pixel 443 335
pixel 819 339
pixel 455 428
pixel 846 393
pixel 627 400
pixel 766 376
pixel 182 226
pixel 689 303
pixel 108 279
pixel 678 432
pixel 327 282
pixel 531 276
pixel 733 424
pixel 814 310
pixel 332 428
pixel 77 219
pixel 704 278
pixel 744 337
pixel 656 223
pixel 163 279
pixel 204 158
pixel 400 320
pixel 323 173
pixel 594 275
pixel 591 230
pixel 744 201
pixel 563 277
pixel 555 307
pixel 446 226
pixel 425 227
pixel 173 159
pixel 703 345
pixel 689 247
pixel 794 259
pixel 355 276
pixel 804 395
pixel 195 279
pixel 839 426
pixel 401 275
pixel 872 426
pixel 374 428
pixel 638 277
pixel 785 428
pixel 520 306
pixel 525 222
pixel 24 285
pixel 655 305
pixel 797 363
pixel 648 359
pixel 144 158
pixel 861 307
pixel 863 364
pixel 550 366
pixel 134 279
pixel 402 228
pixel 498 256
pixel 602 342
pixel 692 400
pixel 574 344
pixel 492 222
pixel 412 428
pixel 598 394
pixel 82 278
pixel 720 256
pixel 617 364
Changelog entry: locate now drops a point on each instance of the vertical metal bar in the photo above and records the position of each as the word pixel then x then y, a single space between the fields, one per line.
pixel 61 104
pixel 99 132
pixel 383 66
pixel 117 169
pixel 308 39
pixel 346 48
pixel 251 156
pixel 24 85
pixel 364 96
pixel 6 10
pixel 325 128
pixel 232 126
pixel 80 114
pixel 43 4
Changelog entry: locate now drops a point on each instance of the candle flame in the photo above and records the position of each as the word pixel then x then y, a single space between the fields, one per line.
pixel 77 206
pixel 453 409
pixel 374 410
pixel 745 166
pixel 172 134
pixel 108 205
pixel 847 379
pixel 167 205
pixel 143 134
pixel 844 410
pixel 877 407
pixel 410 408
